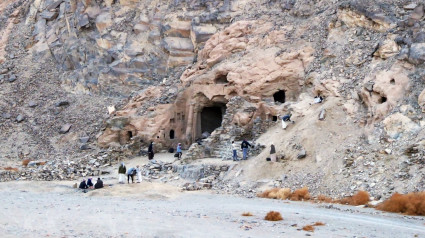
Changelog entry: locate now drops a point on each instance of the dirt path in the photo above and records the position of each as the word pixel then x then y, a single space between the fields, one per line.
pixel 43 209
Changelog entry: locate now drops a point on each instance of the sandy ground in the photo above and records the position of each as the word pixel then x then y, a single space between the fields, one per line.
pixel 54 209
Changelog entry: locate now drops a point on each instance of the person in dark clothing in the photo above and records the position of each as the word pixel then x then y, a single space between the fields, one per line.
pixel 130 174
pixel 150 151
pixel 83 185
pixel 89 183
pixel 272 153
pixel 99 184
pixel 244 147
pixel 121 173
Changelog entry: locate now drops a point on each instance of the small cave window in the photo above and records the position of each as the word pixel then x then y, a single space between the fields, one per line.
pixel 392 81
pixel 279 96
pixel 129 134
pixel 382 100
pixel 221 79
pixel 171 134
pixel 274 118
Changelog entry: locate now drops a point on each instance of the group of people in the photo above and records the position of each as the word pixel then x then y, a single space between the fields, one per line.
pixel 89 184
pixel 131 172
pixel 244 146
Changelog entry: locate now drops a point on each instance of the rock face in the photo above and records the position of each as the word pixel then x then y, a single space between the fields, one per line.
pixel 204 73
pixel 220 74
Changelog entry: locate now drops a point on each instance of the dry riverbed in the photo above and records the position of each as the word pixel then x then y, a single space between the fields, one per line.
pixel 55 209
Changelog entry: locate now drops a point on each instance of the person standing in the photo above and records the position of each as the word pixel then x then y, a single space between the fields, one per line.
pixel 121 173
pixel 139 174
pixel 244 147
pixel 235 151
pixel 272 153
pixel 150 151
pixel 179 151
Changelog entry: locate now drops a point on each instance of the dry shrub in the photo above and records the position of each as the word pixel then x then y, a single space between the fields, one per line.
pixel 11 169
pixel 410 204
pixel 360 198
pixel 25 162
pixel 308 228
pixel 318 223
pixel 273 216
pixel 247 214
pixel 276 193
pixel 323 198
pixel 300 194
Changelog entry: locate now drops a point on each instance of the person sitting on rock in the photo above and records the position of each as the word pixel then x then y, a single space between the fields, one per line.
pixel 83 185
pixel 130 173
pixel 121 173
pixel 99 184
pixel 235 151
pixel 89 183
pixel 317 99
pixel 179 150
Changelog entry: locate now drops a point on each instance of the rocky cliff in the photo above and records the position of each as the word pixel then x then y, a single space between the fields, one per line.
pixel 180 71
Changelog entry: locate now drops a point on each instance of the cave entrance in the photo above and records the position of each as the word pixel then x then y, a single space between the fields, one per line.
pixel 221 79
pixel 211 117
pixel 279 96
pixel 171 134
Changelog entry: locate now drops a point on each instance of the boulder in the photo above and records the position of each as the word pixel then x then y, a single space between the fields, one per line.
pixel 51 5
pixel 417 53
pixel 6 115
pixel 65 128
pixel 20 118
pixel 387 49
pixel 62 103
pixel 302 154
pixel 49 15
pixel 32 104
pixel 12 78
pixel 398 125
pixel 84 139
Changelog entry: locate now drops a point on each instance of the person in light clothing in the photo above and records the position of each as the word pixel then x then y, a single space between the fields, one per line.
pixel 235 151
pixel 139 174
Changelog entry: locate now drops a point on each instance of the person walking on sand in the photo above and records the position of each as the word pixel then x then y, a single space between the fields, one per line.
pixel 150 151
pixel 235 151
pixel 130 174
pixel 139 174
pixel 99 184
pixel 121 173
pixel 244 147
pixel 179 151
pixel 272 153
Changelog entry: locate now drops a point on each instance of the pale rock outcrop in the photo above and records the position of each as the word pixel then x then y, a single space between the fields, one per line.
pixel 398 125
pixel 383 90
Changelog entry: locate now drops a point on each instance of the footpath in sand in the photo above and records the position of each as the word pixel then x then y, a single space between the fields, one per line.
pixel 55 209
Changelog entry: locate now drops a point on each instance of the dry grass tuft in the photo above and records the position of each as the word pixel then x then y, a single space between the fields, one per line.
pixel 276 193
pixel 318 223
pixel 360 198
pixel 308 228
pixel 323 198
pixel 273 216
pixel 11 169
pixel 300 195
pixel 25 162
pixel 247 214
pixel 410 204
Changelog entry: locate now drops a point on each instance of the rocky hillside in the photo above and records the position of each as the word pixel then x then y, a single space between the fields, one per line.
pixel 127 72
